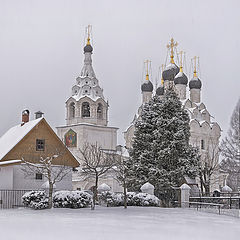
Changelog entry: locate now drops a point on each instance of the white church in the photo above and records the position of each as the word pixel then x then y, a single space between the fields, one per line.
pixel 87 116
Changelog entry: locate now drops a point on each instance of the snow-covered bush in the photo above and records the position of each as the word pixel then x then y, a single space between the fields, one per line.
pixel 145 199
pixel 71 199
pixel 43 204
pixel 111 199
pixel 35 200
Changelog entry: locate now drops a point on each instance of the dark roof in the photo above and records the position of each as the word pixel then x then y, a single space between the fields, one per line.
pixel 170 72
pixel 88 48
pixel 181 78
pixel 195 83
pixel 160 91
pixel 147 86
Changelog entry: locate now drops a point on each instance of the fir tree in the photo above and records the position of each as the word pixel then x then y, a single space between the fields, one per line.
pixel 230 150
pixel 161 153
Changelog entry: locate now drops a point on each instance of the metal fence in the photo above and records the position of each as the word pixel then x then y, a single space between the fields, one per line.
pixel 11 198
pixel 225 203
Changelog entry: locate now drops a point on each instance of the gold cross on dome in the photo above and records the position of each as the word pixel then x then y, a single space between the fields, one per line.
pixel 147 62
pixel 181 60
pixel 171 46
pixel 89 29
pixel 195 66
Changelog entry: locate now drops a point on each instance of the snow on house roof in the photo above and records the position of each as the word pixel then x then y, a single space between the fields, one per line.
pixel 9 162
pixel 14 135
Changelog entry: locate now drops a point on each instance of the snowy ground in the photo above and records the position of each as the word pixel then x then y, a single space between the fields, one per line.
pixel 116 224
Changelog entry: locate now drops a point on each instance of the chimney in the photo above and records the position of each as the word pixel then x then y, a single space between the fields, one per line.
pixel 38 114
pixel 25 117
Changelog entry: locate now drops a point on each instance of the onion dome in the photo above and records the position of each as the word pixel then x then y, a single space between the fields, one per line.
pixel 88 48
pixel 170 72
pixel 160 91
pixel 195 83
pixel 147 86
pixel 181 78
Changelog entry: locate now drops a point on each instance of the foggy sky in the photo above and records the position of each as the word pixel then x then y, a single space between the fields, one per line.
pixel 41 53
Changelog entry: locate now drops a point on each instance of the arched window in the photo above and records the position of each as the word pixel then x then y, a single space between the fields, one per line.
pixel 100 111
pixel 72 110
pixel 85 109
pixel 202 144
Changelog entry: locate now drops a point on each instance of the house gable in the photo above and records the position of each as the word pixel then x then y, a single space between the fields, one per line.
pixel 26 147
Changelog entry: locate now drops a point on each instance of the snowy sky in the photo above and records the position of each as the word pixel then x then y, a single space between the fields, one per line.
pixel 41 52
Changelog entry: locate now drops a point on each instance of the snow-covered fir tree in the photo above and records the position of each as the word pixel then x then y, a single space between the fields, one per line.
pixel 161 153
pixel 230 150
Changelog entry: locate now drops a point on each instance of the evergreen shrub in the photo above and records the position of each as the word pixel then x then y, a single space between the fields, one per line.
pixel 35 199
pixel 71 199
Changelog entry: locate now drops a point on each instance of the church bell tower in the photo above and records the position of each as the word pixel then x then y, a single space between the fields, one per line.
pixel 87 103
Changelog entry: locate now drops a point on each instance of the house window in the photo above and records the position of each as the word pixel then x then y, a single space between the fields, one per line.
pixel 39 176
pixel 40 145
pixel 85 109
pixel 202 144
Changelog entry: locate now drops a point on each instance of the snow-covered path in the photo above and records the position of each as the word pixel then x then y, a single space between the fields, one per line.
pixel 116 224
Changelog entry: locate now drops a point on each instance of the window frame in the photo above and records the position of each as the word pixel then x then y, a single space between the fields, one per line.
pixel 38 176
pixel 42 143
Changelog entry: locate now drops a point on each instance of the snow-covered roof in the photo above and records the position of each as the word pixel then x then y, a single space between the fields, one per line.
pixel 9 162
pixel 91 96
pixel 14 135
pixel 183 101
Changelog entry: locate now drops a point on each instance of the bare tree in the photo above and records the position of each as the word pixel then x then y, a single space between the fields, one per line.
pixel 53 173
pixel 230 150
pixel 120 170
pixel 208 165
pixel 95 163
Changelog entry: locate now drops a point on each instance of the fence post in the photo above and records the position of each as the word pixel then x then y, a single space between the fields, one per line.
pixel 185 194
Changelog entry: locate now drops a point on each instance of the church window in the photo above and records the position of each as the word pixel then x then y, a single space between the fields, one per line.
pixel 72 110
pixel 86 82
pixel 100 111
pixel 85 109
pixel 40 145
pixel 202 144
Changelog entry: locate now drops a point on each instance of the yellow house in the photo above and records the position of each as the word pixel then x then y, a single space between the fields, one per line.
pixel 30 141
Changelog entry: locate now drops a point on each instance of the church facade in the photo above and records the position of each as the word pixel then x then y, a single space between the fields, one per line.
pixel 204 131
pixel 87 120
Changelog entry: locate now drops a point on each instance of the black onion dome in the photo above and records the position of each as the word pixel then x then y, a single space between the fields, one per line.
pixel 88 48
pixel 160 91
pixel 195 83
pixel 181 78
pixel 147 86
pixel 170 72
